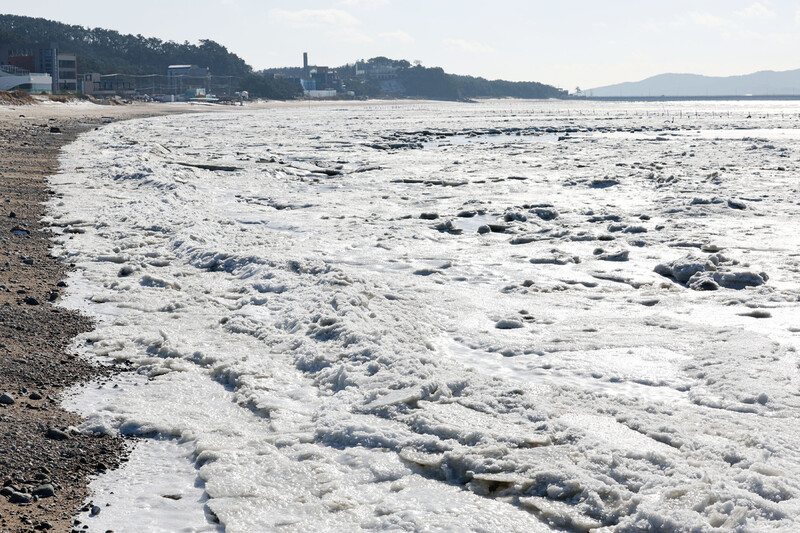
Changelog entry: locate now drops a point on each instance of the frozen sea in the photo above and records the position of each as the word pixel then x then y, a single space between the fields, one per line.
pixel 499 316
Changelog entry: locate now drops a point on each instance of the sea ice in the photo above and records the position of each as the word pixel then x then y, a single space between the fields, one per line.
pixel 431 316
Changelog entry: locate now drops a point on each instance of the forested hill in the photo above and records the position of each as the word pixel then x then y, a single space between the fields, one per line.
pixel 431 82
pixel 108 51
pixel 471 87
pixel 436 83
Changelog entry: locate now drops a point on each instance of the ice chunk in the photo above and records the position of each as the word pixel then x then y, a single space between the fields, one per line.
pixel 710 273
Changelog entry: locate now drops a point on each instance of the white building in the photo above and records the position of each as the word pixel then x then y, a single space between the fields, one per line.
pixel 326 93
pixel 14 78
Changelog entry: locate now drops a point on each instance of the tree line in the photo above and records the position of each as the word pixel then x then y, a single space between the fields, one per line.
pixel 110 52
pixel 433 82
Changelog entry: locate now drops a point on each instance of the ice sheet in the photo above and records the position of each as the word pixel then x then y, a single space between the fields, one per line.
pixel 331 342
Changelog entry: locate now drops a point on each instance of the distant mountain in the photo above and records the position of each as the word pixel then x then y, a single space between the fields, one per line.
pixel 766 82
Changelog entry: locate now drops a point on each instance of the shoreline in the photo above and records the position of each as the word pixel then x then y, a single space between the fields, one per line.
pixel 45 466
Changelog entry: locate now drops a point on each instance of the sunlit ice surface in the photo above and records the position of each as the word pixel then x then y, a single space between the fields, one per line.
pixel 442 316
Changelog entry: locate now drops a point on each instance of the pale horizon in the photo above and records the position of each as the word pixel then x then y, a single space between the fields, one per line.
pixel 582 44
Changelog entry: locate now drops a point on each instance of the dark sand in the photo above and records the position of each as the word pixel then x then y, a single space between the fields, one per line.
pixel 35 335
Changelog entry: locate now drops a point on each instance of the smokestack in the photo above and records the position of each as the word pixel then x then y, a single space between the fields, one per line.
pixel 305 61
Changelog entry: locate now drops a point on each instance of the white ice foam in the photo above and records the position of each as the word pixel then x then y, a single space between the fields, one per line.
pixel 312 354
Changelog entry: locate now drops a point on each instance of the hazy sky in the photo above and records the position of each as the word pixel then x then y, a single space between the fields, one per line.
pixel 586 43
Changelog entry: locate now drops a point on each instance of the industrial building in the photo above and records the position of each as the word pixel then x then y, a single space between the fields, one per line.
pixel 187 78
pixel 319 81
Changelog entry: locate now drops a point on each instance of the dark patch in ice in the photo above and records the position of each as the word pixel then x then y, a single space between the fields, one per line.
pixel 757 313
pixel 736 204
pixel 396 145
pixel 624 228
pixel 326 329
pixel 448 227
pixel 444 183
pixel 703 282
pixel 207 166
pixel 125 271
pixel 367 168
pixel 307 267
pixel 440 183
pixel 603 183
pixel 426 272
pixel 605 218
pixel 515 216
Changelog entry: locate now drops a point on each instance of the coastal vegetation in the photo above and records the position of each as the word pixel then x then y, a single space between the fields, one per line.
pixel 426 82
pixel 111 52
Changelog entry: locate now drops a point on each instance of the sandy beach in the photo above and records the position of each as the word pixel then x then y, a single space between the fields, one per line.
pixel 44 467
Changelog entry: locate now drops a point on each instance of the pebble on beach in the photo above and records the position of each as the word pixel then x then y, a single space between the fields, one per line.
pixel 56 434
pixel 44 491
pixel 20 498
